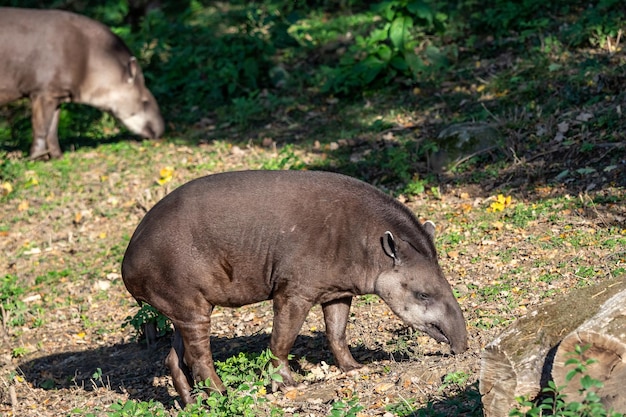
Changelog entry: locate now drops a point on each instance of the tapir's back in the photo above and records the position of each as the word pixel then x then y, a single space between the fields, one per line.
pixel 44 50
pixel 265 203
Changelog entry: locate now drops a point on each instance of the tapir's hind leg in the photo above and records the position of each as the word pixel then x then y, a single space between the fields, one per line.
pixel 181 375
pixel 45 115
pixel 196 354
pixel 52 139
pixel 336 315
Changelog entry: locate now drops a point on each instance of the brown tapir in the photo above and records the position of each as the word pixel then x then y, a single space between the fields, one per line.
pixel 53 56
pixel 297 237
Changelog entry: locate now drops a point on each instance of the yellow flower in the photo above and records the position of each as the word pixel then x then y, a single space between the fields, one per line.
pixel 500 204
pixel 6 188
pixel 166 174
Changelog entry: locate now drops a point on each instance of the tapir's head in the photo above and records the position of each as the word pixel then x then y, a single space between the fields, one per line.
pixel 416 290
pixel 138 109
pixel 128 98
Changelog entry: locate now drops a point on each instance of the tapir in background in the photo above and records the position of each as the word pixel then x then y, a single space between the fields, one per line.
pixel 54 56
pixel 298 237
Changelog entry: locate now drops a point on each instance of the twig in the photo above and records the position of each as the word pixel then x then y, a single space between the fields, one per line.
pixel 465 158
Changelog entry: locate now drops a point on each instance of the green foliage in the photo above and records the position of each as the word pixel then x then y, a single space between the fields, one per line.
pixel 416 186
pixel 349 408
pixel 148 315
pixel 458 378
pixel 403 408
pixel 553 402
pixel 246 377
pixel 10 170
pixel 527 20
pixel 196 65
pixel 392 48
pixel 132 408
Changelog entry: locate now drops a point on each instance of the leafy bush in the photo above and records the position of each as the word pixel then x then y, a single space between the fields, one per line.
pixel 392 48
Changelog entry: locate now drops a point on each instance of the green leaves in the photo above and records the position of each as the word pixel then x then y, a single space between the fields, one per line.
pixel 399 31
pixel 392 48
pixel 555 403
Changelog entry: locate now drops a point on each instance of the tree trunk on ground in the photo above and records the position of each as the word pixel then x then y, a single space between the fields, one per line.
pixel 519 361
pixel 605 334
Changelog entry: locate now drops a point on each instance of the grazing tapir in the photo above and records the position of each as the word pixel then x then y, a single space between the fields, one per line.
pixel 53 56
pixel 297 237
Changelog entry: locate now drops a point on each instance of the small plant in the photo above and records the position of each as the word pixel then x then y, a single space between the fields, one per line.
pixel 458 378
pixel 148 315
pixel 348 408
pixel 132 408
pixel 415 187
pixel 553 402
pixel 402 408
pixel 18 352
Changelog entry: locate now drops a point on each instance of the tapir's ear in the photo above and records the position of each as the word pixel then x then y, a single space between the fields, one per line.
pixel 132 69
pixel 389 246
pixel 429 227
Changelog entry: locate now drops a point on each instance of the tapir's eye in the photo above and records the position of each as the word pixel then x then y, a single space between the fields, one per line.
pixel 421 296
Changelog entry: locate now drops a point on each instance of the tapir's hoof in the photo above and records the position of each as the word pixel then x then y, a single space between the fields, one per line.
pixel 39 155
pixel 361 370
pixel 283 387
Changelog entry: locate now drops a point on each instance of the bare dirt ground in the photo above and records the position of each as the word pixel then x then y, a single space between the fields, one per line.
pixel 49 364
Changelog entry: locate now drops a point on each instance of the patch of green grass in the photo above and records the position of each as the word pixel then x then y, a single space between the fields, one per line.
pixel 52 277
pixel 367 299
pixel 286 159
pixel 14 310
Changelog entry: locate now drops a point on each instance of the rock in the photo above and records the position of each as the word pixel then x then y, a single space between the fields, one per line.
pixel 461 141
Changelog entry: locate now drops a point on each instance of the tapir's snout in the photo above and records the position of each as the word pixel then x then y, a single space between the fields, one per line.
pixel 148 124
pixel 453 334
pixel 153 129
pixel 460 345
pixel 454 329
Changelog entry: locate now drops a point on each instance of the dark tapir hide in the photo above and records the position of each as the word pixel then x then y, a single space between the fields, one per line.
pixel 299 238
pixel 53 56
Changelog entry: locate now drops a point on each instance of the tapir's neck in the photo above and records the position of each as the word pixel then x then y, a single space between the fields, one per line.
pixel 376 265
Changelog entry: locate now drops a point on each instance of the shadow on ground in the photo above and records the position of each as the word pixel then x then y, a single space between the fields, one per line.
pixel 133 367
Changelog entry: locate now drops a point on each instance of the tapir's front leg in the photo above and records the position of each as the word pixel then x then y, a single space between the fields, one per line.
pixel 336 315
pixel 289 315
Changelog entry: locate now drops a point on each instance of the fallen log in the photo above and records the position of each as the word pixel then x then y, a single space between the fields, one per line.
pixel 603 339
pixel 519 361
